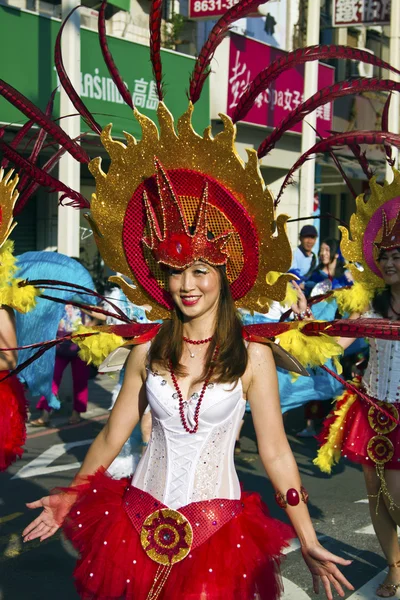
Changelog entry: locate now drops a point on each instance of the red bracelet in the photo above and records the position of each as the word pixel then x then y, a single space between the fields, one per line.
pixel 292 497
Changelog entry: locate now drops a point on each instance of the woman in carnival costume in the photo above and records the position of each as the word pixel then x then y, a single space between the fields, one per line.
pixel 355 428
pixel 194 228
pixel 13 404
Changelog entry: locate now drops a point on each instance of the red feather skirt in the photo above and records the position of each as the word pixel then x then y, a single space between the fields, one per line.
pixel 236 562
pixel 13 413
pixel 369 437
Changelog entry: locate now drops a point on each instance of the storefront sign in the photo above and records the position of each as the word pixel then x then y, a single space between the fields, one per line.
pixel 209 9
pixel 38 77
pixel 246 59
pixel 360 12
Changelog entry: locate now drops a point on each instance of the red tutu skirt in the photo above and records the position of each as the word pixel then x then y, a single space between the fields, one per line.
pixel 238 561
pixel 368 436
pixel 13 413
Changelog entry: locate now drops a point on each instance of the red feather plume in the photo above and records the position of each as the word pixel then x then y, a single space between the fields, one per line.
pixel 297 57
pixel 326 94
pixel 43 178
pixel 385 127
pixel 362 160
pixel 155 44
pixel 66 82
pixel 341 139
pixel 32 112
pixel 41 138
pixel 108 59
pixel 341 171
pixel 219 31
pixel 31 188
pixel 16 140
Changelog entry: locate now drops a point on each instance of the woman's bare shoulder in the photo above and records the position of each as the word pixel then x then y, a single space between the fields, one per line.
pixel 259 355
pixel 138 360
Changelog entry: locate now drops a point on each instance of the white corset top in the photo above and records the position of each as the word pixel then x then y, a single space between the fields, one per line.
pixel 382 375
pixel 179 467
pixel 381 379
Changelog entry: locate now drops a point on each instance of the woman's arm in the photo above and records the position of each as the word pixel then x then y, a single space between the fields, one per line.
pixel 346 342
pixel 281 467
pixel 8 339
pixel 125 415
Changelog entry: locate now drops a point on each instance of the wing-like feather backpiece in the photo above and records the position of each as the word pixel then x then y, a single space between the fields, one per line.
pixel 219 31
pixel 298 57
pixel 108 59
pixel 323 96
pixel 43 178
pixel 32 112
pixel 155 44
pixel 66 82
pixel 341 139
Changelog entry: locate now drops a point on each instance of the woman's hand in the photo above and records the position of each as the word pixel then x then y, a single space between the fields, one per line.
pixel 322 565
pixel 49 521
pixel 301 305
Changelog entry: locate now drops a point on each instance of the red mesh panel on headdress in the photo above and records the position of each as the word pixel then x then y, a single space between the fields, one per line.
pixel 205 517
pixel 188 186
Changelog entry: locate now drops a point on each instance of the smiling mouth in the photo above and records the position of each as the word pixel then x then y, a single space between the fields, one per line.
pixel 190 300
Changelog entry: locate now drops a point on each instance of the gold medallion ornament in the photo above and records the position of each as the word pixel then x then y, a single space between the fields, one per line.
pixel 381 423
pixel 166 536
pixel 380 449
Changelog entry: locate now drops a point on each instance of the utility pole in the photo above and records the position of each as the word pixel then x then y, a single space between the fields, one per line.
pixel 394 60
pixel 308 137
pixel 68 234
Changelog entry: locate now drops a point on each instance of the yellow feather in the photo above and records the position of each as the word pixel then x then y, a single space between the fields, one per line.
pixel 291 295
pixel 96 348
pixel 22 299
pixel 311 351
pixel 7 262
pixel 356 299
pixel 329 453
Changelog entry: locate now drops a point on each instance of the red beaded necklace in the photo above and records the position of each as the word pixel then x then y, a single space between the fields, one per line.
pixel 197 342
pixel 200 400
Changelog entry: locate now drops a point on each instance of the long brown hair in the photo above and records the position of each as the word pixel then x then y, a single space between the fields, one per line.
pixel 231 361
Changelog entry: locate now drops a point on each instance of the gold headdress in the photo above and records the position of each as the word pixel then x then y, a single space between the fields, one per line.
pixel 21 299
pixel 239 209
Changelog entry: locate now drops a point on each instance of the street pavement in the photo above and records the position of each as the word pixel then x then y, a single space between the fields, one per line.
pixel 42 571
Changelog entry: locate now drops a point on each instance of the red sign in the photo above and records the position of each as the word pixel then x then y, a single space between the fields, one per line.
pixel 208 9
pixel 359 12
pixel 246 59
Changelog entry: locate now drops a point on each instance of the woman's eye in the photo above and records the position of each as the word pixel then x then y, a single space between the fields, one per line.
pixel 201 271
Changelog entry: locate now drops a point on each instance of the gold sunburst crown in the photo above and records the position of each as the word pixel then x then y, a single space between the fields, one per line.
pixel 238 201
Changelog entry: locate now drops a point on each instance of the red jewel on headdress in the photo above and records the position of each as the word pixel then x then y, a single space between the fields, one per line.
pixel 173 244
pixel 390 236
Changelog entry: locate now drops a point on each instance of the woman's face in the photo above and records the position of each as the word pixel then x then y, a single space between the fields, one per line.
pixel 389 264
pixel 195 290
pixel 325 254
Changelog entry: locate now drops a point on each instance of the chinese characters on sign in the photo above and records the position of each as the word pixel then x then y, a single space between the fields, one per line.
pixel 286 92
pixel 208 9
pixel 359 12
pixel 97 87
